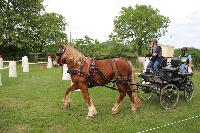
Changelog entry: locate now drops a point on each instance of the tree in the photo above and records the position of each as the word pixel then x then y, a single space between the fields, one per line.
pixel 17 18
pixel 136 26
pixel 25 27
pixel 51 33
pixel 87 46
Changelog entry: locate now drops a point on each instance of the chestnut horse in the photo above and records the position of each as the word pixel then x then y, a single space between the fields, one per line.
pixel 86 73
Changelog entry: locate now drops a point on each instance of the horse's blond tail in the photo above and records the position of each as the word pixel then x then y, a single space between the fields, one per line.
pixel 134 87
pixel 132 72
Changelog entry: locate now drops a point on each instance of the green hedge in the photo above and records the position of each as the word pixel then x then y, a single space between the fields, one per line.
pixel 107 50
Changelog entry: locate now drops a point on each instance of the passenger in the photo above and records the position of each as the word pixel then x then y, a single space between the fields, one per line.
pixel 186 61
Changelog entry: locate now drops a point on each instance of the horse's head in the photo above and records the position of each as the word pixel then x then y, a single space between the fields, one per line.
pixel 59 60
pixel 65 55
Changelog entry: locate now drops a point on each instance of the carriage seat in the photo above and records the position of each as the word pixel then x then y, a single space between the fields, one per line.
pixel 163 62
pixel 175 62
pixel 169 74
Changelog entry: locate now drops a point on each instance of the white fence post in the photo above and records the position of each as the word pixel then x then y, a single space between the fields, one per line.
pixel 145 63
pixel 0 80
pixel 49 63
pixel 1 63
pixel 12 69
pixel 66 76
pixel 22 61
pixel 25 64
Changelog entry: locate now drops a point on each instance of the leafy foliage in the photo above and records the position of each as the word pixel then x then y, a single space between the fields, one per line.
pixel 136 26
pixel 93 48
pixel 87 46
pixel 52 27
pixel 25 27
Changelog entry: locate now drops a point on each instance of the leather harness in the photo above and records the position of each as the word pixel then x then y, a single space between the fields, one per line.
pixel 94 70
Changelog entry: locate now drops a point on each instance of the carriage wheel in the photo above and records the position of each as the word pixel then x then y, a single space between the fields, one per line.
pixel 189 91
pixel 144 92
pixel 169 96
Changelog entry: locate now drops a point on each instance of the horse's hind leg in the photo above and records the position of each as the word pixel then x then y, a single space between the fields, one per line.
pixel 91 109
pixel 122 94
pixel 134 99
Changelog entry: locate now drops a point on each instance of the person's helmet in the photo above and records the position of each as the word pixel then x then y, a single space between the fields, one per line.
pixel 184 49
pixel 154 40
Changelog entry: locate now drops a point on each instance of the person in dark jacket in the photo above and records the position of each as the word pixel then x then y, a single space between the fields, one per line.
pixel 156 57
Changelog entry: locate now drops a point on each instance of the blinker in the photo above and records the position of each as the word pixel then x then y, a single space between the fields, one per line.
pixel 59 53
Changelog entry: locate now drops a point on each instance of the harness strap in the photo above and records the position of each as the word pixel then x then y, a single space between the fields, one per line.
pixel 76 72
pixel 115 69
pixel 93 70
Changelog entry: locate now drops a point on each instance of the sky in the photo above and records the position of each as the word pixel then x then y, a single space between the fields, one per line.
pixel 95 18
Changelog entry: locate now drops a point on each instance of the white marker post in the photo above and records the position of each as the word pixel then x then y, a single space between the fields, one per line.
pixel 49 63
pixel 22 61
pixel 25 64
pixel 1 63
pixel 145 63
pixel 12 69
pixel 66 76
pixel 0 80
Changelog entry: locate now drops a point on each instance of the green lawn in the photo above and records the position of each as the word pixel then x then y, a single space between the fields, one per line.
pixel 32 102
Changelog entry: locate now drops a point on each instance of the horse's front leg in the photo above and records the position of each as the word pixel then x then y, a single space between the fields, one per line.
pixel 67 100
pixel 91 109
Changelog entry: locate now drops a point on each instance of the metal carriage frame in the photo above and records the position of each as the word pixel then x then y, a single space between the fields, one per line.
pixel 167 85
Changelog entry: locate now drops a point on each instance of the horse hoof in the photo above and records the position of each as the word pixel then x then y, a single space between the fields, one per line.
pixel 94 113
pixel 115 112
pixel 67 105
pixel 134 110
pixel 89 117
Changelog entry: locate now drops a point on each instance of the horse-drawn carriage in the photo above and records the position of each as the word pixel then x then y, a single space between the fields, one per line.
pixel 167 85
pixel 86 73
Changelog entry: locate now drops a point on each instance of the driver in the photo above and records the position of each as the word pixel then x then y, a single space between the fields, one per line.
pixel 156 57
pixel 186 61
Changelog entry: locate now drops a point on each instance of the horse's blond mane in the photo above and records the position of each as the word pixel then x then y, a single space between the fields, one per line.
pixel 73 54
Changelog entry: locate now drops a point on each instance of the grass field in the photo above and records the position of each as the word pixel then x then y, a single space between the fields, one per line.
pixel 32 102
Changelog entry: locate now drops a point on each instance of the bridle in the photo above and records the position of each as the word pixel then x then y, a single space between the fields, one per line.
pixel 59 55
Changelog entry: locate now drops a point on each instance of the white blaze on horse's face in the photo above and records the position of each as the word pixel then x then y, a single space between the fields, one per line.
pixel 63 50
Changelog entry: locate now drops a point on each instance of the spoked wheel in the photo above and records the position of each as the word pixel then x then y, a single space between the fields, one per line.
pixel 144 92
pixel 189 91
pixel 169 96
